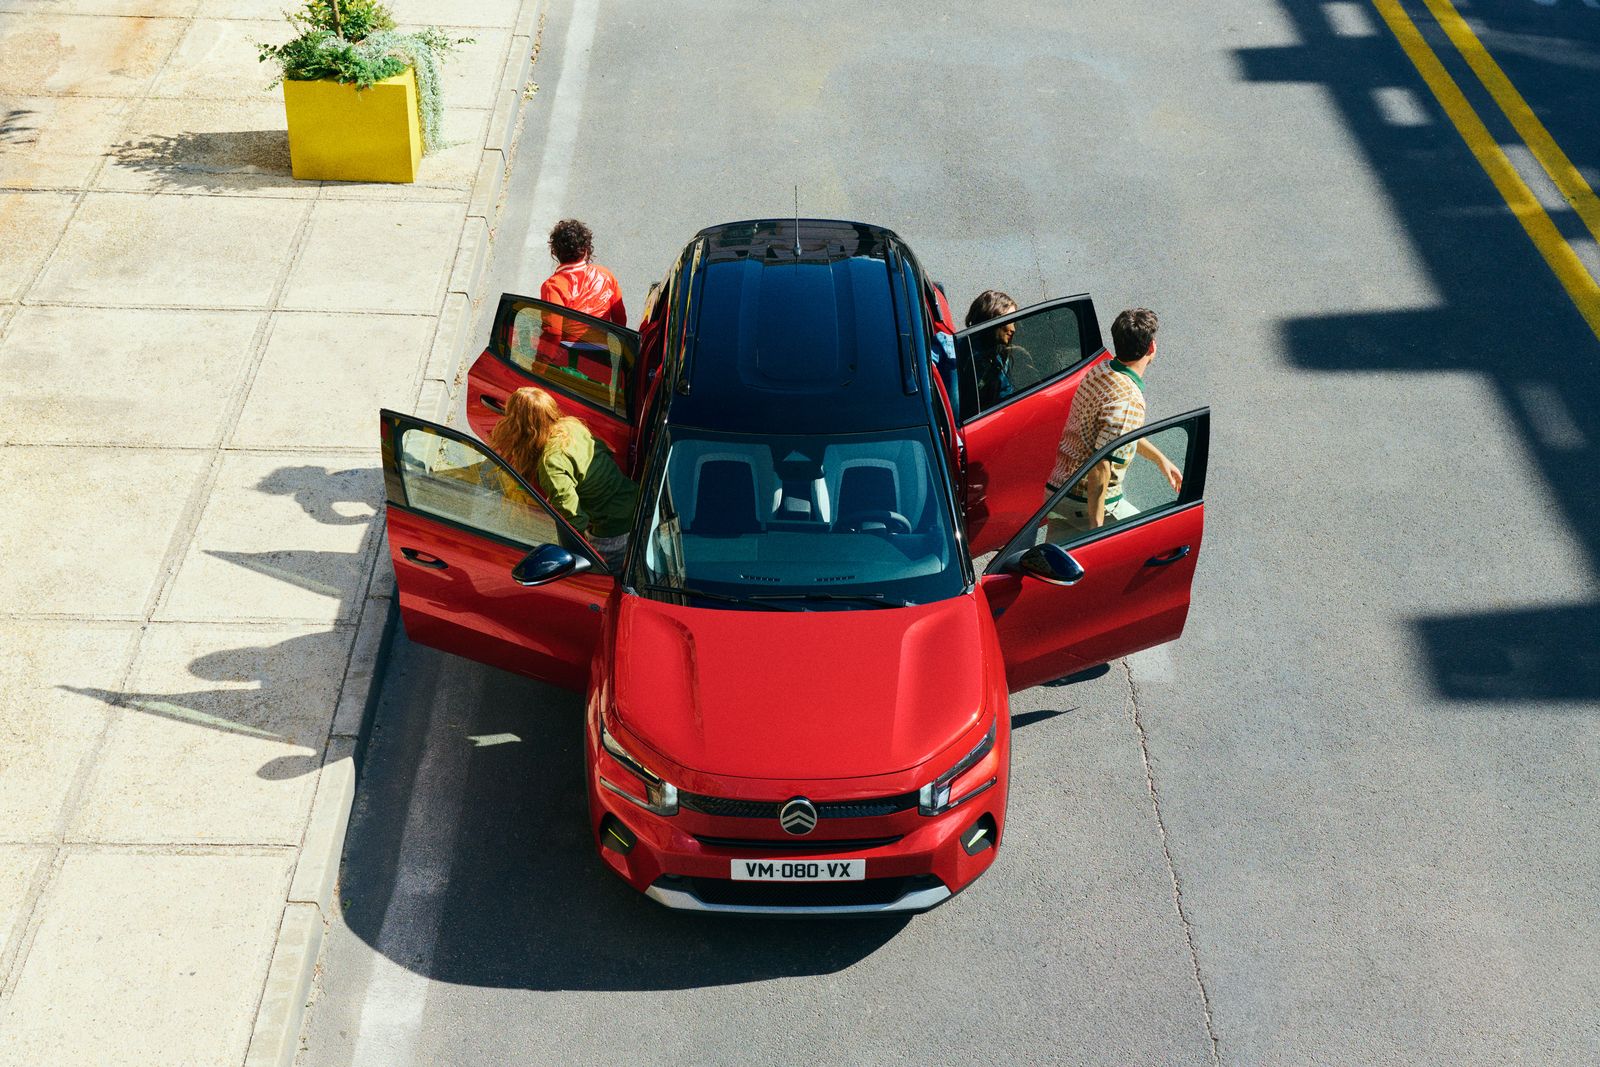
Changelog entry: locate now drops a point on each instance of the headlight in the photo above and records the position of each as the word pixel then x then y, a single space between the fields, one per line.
pixel 934 798
pixel 661 796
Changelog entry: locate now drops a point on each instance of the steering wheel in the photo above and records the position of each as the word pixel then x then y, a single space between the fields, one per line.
pixel 885 521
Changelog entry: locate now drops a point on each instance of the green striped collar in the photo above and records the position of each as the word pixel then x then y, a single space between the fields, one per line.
pixel 1122 368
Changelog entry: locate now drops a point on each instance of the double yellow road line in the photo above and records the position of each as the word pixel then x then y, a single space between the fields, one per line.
pixel 1568 268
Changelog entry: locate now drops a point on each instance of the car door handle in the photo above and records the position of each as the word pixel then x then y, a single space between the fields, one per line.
pixel 1171 557
pixel 423 559
pixel 491 403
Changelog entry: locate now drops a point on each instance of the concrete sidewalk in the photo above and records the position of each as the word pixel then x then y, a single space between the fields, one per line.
pixel 193 349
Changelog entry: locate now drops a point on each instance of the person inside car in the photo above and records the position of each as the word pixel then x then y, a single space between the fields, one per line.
pixel 575 471
pixel 992 351
pixel 943 349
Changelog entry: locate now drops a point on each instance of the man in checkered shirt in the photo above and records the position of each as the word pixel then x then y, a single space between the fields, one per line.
pixel 1108 404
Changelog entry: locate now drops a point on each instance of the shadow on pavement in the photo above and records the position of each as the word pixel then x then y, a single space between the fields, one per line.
pixel 529 905
pixel 306 486
pixel 247 712
pixel 1501 316
pixel 332 498
pixel 1028 718
pixel 1088 675
pixel 208 162
pixel 15 128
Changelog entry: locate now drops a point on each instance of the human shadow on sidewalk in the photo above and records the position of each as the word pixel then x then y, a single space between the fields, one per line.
pixel 280 702
pixel 264 712
pixel 302 484
pixel 528 903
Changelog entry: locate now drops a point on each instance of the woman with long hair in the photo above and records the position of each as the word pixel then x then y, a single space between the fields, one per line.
pixel 576 472
pixel 992 351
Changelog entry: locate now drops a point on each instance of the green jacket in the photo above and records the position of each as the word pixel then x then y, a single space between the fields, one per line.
pixel 582 481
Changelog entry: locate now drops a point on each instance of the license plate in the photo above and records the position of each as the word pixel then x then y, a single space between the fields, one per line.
pixel 799 870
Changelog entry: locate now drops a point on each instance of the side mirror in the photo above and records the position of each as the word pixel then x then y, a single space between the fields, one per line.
pixel 547 563
pixel 1051 563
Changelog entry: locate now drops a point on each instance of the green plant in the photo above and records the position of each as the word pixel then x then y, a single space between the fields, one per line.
pixel 354 41
pixel 353 20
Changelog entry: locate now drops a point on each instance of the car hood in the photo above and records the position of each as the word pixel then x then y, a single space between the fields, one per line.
pixel 804 694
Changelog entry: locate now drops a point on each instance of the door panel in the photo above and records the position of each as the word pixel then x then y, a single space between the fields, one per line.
pixel 472 608
pixel 1009 456
pixel 458 522
pixel 1012 422
pixel 589 365
pixel 1123 604
pixel 1137 566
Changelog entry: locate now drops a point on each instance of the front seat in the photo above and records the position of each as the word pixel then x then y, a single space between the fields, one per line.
pixel 866 487
pixel 725 500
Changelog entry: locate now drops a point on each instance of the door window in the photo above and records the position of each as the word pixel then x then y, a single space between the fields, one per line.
pixel 1014 353
pixel 453 480
pixel 1129 479
pixel 578 354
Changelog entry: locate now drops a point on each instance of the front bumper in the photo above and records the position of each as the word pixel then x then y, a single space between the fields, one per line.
pixel 913 862
pixel 685 894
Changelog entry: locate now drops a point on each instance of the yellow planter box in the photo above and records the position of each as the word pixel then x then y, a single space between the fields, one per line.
pixel 339 134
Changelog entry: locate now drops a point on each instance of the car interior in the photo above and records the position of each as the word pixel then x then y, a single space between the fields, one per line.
pixel 798 511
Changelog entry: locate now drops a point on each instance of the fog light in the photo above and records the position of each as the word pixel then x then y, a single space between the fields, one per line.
pixel 615 836
pixel 979 836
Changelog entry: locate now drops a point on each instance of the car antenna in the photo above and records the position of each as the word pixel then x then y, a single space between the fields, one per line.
pixel 797 223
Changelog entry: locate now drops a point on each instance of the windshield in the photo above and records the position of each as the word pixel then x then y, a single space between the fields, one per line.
pixel 800 521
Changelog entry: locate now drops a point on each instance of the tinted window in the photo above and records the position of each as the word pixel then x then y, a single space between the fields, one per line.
pixel 572 353
pixel 457 481
pixel 999 362
pixel 803 515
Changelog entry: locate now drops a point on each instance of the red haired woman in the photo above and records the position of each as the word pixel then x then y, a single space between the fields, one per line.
pixel 576 472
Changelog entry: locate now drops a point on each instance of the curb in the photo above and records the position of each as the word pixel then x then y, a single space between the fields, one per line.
pixel 436 393
pixel 275 1036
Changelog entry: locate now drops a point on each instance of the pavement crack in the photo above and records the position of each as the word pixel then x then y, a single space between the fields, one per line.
pixel 1172 869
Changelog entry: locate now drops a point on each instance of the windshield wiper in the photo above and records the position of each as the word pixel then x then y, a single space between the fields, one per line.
pixel 877 600
pixel 689 591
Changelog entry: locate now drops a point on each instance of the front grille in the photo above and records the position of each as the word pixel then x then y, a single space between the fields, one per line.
pixel 871 808
pixel 798 844
pixel 801 894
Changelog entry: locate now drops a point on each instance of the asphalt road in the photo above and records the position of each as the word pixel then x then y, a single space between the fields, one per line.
pixel 1353 816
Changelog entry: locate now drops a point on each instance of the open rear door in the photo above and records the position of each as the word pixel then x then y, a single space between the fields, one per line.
pixel 589 365
pixel 1018 374
pixel 1067 596
pixel 459 521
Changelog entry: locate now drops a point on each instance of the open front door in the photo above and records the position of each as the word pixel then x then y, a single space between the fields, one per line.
pixel 589 366
pixel 1017 375
pixel 459 522
pixel 1068 595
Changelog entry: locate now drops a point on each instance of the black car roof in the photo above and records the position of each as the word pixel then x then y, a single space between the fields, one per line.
pixel 818 342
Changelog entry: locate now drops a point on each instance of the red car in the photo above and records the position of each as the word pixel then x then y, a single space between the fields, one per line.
pixel 797 683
